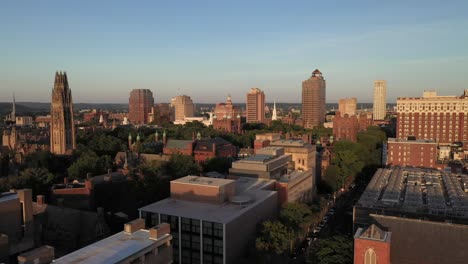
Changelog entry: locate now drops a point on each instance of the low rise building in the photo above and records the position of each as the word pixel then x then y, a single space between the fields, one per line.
pixel 212 220
pixel 133 245
pixel 268 163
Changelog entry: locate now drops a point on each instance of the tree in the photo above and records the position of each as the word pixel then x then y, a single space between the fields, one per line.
pixel 180 166
pixel 296 218
pixel 38 179
pixel 334 250
pixel 274 238
pixel 89 162
pixel 219 164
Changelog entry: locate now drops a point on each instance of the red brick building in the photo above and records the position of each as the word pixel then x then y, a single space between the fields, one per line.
pixel 416 153
pixel 345 127
pixel 139 105
pixel 227 117
pixel 213 147
pixel 372 246
pixel 255 106
pixel 184 147
pixel 443 119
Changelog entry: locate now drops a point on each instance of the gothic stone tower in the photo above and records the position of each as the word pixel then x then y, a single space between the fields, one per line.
pixel 62 128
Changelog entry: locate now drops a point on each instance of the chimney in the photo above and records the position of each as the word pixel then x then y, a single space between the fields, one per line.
pixel 88 184
pixel 40 199
pixel 65 180
pixel 25 196
pixel 159 231
pixel 135 225
pixel 88 175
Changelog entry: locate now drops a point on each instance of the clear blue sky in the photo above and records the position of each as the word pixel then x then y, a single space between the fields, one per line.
pixel 208 49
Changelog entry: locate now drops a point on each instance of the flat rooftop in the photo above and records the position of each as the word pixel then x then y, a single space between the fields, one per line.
pixel 292 175
pixel 8 196
pixel 259 158
pixel 246 189
pixel 290 143
pixel 418 191
pixel 113 249
pixel 205 181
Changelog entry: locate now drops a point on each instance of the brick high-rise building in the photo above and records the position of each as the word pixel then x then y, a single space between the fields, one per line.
pixel 443 119
pixel 313 100
pixel 255 106
pixel 347 106
pixel 139 105
pixel 183 107
pixel 62 128
pixel 380 99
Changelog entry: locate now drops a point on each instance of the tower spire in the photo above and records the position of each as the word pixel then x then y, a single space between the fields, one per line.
pixel 13 109
pixel 274 116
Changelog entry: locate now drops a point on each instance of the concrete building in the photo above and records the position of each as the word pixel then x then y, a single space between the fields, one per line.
pixel 412 152
pixel 255 106
pixel 139 106
pixel 313 100
pixel 443 119
pixel 40 255
pixel 380 100
pixel 268 163
pixel 424 210
pixel 183 107
pixel 302 153
pixel 62 127
pixel 296 186
pixel 347 106
pixel 133 245
pixel 213 219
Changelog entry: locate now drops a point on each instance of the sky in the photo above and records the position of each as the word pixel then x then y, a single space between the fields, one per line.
pixel 209 49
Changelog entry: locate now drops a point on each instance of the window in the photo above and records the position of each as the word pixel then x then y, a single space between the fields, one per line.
pixel 370 257
pixel 218 246
pixel 207 228
pixel 185 224
pixel 218 230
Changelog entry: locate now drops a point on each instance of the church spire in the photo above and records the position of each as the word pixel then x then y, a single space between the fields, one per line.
pixel 13 109
pixel 274 116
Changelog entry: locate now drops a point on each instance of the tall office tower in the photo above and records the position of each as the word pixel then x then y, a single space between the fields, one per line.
pixel 62 127
pixel 443 119
pixel 183 106
pixel 255 106
pixel 313 100
pixel 347 106
pixel 139 105
pixel 380 99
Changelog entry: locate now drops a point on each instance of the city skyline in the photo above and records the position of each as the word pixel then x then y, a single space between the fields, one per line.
pixel 172 50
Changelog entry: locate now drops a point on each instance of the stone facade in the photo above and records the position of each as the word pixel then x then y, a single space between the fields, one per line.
pixel 62 129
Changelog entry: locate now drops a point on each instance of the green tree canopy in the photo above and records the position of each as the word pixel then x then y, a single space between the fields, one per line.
pixel 334 250
pixel 89 162
pixel 38 179
pixel 181 165
pixel 274 238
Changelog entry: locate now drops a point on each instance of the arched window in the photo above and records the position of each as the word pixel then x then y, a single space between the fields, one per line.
pixel 370 257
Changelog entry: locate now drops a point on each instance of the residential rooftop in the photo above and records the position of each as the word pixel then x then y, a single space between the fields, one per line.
pixel 8 196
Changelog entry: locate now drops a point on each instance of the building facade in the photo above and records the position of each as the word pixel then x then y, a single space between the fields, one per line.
pixel 313 100
pixel 380 99
pixel 183 107
pixel 255 106
pixel 213 219
pixel 347 106
pixel 139 105
pixel 416 153
pixel 443 119
pixel 62 128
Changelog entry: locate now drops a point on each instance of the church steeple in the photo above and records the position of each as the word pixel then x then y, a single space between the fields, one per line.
pixel 13 109
pixel 274 116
